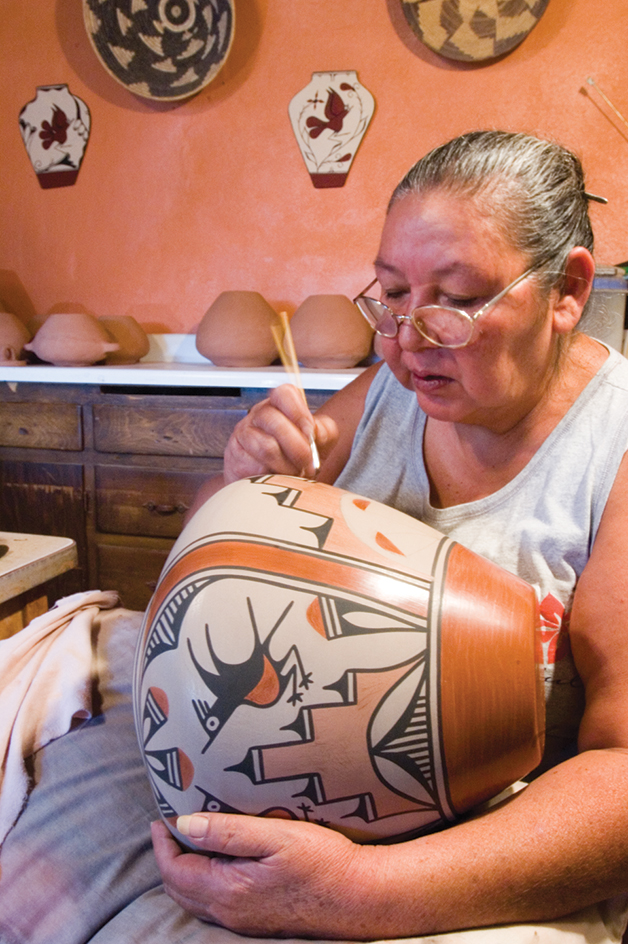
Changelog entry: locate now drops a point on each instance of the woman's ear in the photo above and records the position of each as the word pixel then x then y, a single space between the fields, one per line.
pixel 575 290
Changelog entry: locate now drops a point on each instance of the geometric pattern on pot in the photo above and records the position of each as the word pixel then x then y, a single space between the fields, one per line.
pixel 161 49
pixel 473 30
pixel 289 663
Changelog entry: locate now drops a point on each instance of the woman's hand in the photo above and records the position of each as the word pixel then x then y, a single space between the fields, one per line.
pixel 276 436
pixel 272 877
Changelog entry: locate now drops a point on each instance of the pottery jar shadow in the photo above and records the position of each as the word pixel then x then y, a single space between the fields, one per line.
pixel 132 339
pixel 236 331
pixel 329 332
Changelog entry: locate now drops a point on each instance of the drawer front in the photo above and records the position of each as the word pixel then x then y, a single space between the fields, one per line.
pixel 132 571
pixel 163 432
pixel 41 425
pixel 150 502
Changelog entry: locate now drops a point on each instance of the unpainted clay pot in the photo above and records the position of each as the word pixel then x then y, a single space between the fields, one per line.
pixel 129 334
pixel 236 331
pixel 14 336
pixel 73 339
pixel 329 332
pixel 314 655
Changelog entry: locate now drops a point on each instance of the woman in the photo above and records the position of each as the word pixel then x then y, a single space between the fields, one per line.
pixel 501 426
pixel 495 423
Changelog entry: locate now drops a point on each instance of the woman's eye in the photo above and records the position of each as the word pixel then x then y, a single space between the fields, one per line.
pixel 463 303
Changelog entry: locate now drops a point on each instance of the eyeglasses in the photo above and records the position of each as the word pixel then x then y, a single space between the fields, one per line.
pixel 442 326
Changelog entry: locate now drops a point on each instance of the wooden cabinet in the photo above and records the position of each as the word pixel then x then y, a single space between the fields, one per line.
pixel 114 468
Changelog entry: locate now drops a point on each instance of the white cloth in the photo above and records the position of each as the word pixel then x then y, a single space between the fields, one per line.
pixel 45 683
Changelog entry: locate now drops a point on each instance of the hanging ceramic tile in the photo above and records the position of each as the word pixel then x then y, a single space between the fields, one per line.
pixel 161 49
pixel 55 128
pixel 329 118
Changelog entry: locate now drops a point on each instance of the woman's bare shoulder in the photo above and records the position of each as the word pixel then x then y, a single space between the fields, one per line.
pixel 346 408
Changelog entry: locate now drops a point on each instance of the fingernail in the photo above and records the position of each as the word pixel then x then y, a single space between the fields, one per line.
pixel 194 826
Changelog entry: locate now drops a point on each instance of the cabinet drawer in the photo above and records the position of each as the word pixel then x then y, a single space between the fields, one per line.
pixel 132 571
pixel 150 502
pixel 41 425
pixel 163 432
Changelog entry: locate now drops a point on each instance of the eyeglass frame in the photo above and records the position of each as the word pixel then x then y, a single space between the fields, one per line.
pixel 465 316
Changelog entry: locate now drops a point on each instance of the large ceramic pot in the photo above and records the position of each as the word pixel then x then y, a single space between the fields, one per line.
pixel 72 339
pixel 330 333
pixel 311 654
pixel 236 331
pixel 133 343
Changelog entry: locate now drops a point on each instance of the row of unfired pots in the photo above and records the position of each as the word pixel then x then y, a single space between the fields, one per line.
pixel 236 331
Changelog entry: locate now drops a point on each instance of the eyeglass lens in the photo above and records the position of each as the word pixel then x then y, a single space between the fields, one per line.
pixel 443 326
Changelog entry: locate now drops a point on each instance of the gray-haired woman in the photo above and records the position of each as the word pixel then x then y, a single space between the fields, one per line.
pixel 494 420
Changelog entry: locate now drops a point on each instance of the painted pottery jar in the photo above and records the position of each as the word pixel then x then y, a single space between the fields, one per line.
pixel 14 335
pixel 329 332
pixel 132 339
pixel 55 129
pixel 236 331
pixel 72 339
pixel 314 655
pixel 329 118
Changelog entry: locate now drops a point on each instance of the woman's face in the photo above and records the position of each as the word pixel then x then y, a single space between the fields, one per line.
pixel 443 249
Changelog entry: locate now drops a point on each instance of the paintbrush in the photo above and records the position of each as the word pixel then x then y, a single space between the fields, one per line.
pixel 287 352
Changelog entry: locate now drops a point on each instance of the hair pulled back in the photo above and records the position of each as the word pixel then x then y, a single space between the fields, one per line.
pixel 536 189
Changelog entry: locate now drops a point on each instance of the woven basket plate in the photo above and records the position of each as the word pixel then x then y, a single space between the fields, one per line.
pixel 161 49
pixel 473 30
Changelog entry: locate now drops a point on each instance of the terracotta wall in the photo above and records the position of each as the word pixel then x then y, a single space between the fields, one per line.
pixel 176 202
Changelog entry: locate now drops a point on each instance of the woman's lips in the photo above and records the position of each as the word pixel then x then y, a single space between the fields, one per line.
pixel 428 383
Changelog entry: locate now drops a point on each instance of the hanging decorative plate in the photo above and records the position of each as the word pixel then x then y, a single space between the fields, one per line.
pixel 161 49
pixel 473 30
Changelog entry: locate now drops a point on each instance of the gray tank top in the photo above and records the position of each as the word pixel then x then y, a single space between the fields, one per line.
pixel 540 526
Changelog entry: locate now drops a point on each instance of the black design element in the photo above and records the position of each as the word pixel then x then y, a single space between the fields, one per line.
pixel 341 618
pixel 260 681
pixel 153 718
pixel 165 631
pixel 165 808
pixel 288 497
pixel 211 803
pixel 407 744
pixel 167 766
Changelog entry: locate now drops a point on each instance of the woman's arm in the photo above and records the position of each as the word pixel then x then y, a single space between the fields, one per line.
pixel 558 845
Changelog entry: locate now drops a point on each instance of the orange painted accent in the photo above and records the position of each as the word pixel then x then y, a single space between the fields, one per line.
pixel 387 545
pixel 267 689
pixel 187 769
pixel 161 698
pixel 277 812
pixel 315 617
pixel 361 503
pixel 492 704
pixel 164 216
pixel 281 562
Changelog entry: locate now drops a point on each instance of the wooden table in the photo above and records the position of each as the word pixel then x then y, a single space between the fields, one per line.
pixel 29 561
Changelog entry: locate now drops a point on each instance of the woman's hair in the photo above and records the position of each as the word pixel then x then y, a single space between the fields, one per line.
pixel 534 187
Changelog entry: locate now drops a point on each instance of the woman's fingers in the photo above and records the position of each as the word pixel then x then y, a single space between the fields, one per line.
pixel 277 435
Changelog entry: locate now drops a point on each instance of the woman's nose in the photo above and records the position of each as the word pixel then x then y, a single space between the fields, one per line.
pixel 409 338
